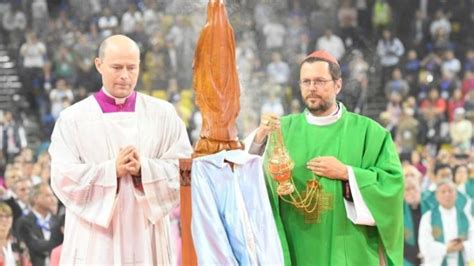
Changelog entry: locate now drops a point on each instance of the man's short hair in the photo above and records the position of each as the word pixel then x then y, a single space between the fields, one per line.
pixel 36 191
pixel 445 181
pixel 441 166
pixel 334 68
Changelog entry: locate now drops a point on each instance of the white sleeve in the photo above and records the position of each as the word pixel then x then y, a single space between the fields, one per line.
pixel 160 176
pixel 469 243
pixel 433 252
pixel 252 147
pixel 86 189
pixel 357 211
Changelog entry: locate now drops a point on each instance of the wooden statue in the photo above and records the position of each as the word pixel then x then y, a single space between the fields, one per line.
pixel 216 83
pixel 217 93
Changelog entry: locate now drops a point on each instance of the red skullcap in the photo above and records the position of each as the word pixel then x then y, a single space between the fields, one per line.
pixel 323 55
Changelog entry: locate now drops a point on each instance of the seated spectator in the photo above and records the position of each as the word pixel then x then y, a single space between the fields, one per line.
pixel 469 105
pixel 40 229
pixel 14 251
pixel 432 63
pixel 14 22
pixel 411 172
pixel 355 92
pixel 13 136
pixel 394 111
pixel 389 51
pixel 433 104
pixel 107 23
pixel 446 232
pixel 130 19
pixel 397 85
pixel 84 52
pixel 273 102
pixel 64 65
pixel 418 162
pixel 440 22
pixel 278 70
pixel 468 82
pixel 60 97
pixel 381 15
pixel 460 131
pixel 451 63
pixel 456 101
pixel 447 84
pixel 424 82
pixel 407 133
pixel 411 69
pixel 440 42
pixel 469 60
pixel 331 43
pixel 428 199
pixel 347 17
pixel 33 53
pixel 274 33
pixel 16 197
pixel 461 178
pixel 21 191
pixel 412 216
pixel 418 30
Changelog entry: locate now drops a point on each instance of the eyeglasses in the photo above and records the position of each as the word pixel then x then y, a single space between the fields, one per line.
pixel 306 83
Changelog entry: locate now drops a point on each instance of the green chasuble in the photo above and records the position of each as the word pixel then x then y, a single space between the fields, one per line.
pixel 368 148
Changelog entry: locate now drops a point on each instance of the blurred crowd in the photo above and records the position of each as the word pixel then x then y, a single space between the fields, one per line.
pixel 416 56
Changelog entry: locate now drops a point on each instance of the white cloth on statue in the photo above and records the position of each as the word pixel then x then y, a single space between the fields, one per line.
pixel 103 227
pixel 232 221
pixel 434 252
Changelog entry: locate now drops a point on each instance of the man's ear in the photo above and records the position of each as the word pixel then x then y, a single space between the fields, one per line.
pixel 338 86
pixel 98 64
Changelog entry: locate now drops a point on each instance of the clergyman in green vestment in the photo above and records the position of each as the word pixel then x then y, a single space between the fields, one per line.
pixel 356 163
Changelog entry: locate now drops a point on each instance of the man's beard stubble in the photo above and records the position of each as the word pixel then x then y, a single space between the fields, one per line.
pixel 320 108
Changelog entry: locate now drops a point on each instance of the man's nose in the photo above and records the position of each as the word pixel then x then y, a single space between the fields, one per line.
pixel 124 74
pixel 313 88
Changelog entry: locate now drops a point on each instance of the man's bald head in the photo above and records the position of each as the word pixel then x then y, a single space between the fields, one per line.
pixel 119 65
pixel 117 42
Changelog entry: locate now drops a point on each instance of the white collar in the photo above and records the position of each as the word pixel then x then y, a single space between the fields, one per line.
pixel 40 218
pixel 117 100
pixel 238 157
pixel 447 212
pixel 324 120
pixel 432 186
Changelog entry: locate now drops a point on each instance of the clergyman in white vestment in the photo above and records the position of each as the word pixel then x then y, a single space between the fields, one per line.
pixel 115 167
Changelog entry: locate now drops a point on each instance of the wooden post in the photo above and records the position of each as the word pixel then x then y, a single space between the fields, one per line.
pixel 187 248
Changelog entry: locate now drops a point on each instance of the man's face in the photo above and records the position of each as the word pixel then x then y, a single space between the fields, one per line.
pixel 22 190
pixel 461 175
pixel 446 196
pixel 320 97
pixel 412 192
pixel 119 68
pixel 444 173
pixel 45 199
